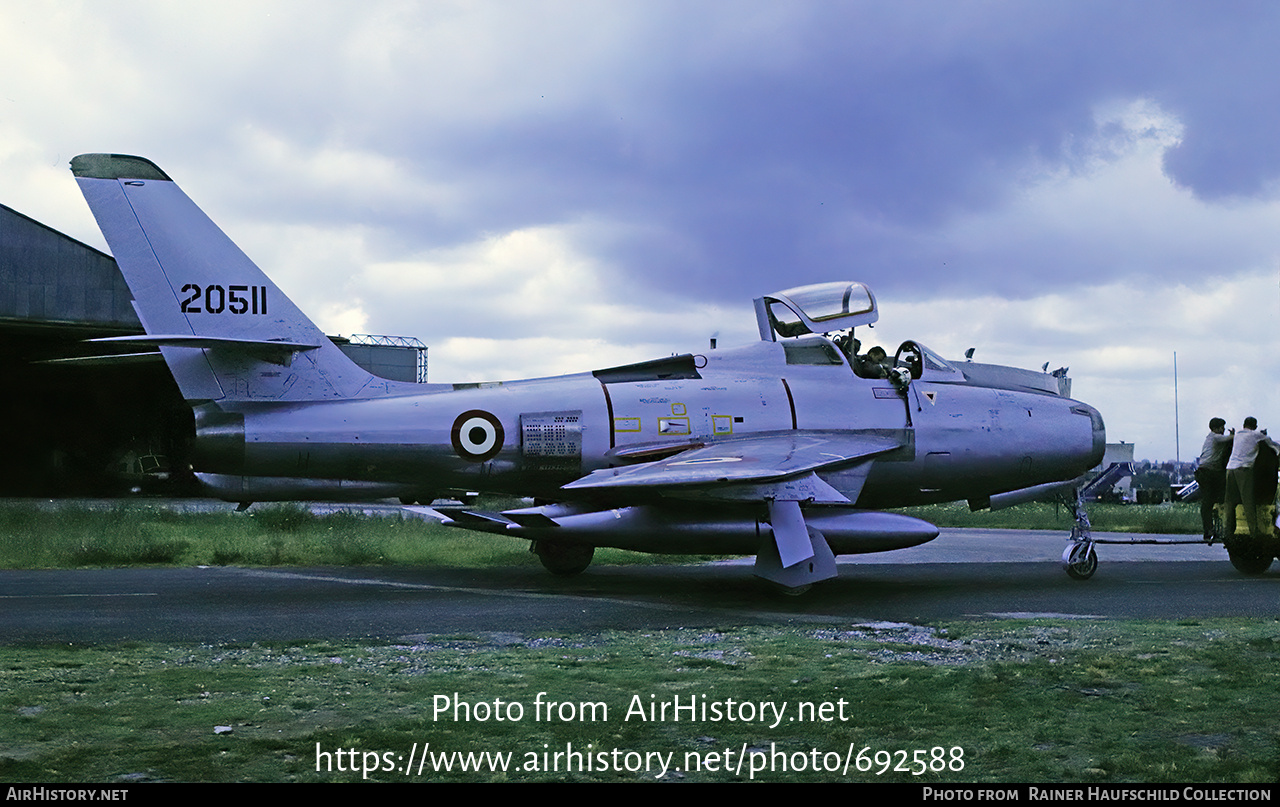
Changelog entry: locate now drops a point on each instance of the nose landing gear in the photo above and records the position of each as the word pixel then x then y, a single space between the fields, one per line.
pixel 1079 559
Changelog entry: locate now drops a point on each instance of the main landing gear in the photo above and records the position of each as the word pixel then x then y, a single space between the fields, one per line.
pixel 563 559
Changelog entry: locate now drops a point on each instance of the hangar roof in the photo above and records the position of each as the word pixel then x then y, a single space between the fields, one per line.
pixel 47 277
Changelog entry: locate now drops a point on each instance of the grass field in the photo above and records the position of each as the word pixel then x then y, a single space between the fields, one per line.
pixel 1176 518
pixel 962 701
pixel 138 532
pixel 1020 701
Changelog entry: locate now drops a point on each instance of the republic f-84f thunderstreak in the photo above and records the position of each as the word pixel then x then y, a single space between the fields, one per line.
pixel 785 449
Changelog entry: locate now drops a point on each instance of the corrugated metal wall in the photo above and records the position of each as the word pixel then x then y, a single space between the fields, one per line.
pixel 48 276
pixel 72 430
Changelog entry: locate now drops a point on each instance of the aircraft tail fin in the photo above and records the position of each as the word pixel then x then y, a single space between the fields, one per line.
pixel 225 330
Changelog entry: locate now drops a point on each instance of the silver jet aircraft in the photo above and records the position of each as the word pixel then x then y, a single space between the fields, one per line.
pixel 785 449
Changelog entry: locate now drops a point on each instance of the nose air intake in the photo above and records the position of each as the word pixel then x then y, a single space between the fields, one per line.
pixel 1099 446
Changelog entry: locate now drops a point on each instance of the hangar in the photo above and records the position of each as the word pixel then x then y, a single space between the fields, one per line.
pixel 85 420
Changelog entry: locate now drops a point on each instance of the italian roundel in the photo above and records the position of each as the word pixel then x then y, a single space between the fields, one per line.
pixel 477 435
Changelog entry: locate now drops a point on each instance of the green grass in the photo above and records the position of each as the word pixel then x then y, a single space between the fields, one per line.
pixel 1041 701
pixel 133 533
pixel 136 533
pixel 1024 701
pixel 1176 518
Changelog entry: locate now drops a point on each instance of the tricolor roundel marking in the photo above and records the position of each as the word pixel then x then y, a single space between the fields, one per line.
pixel 477 435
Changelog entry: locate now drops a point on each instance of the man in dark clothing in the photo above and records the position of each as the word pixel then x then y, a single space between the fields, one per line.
pixel 1211 474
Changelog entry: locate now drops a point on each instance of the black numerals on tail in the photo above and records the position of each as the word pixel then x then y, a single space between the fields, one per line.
pixel 215 299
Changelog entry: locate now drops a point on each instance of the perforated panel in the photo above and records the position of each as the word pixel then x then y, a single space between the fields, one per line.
pixel 551 440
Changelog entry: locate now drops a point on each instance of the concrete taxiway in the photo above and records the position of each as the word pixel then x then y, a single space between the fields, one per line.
pixel 964 573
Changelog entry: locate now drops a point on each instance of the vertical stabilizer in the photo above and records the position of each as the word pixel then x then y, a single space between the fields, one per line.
pixel 226 331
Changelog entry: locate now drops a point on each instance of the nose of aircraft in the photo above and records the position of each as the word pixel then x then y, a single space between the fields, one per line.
pixel 1099 446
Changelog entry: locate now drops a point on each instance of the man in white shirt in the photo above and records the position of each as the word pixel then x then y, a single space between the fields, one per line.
pixel 1244 452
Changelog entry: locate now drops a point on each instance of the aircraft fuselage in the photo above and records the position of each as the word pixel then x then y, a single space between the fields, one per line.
pixel 778 449
pixel 959 440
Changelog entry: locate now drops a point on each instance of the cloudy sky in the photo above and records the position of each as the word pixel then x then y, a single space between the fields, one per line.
pixel 534 188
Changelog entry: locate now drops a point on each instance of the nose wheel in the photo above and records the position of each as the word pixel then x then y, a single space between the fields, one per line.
pixel 1079 560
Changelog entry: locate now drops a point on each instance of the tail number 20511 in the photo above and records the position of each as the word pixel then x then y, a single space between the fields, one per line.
pixel 217 299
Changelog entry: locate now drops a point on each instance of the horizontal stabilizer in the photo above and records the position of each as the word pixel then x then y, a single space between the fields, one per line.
pixel 113 360
pixel 181 340
pixel 275 351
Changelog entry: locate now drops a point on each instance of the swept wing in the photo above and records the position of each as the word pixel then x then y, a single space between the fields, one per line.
pixel 754 459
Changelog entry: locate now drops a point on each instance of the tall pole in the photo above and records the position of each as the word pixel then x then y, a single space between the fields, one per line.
pixel 1177 443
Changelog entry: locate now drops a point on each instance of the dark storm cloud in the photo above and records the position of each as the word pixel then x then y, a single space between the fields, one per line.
pixel 717 141
pixel 835 143
pixel 540 187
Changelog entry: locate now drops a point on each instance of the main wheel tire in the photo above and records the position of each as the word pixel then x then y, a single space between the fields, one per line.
pixel 562 559
pixel 1249 562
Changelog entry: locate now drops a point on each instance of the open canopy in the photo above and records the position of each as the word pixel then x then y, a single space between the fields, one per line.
pixel 821 308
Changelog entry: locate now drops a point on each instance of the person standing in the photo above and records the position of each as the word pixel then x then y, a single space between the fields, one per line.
pixel 1244 452
pixel 1211 473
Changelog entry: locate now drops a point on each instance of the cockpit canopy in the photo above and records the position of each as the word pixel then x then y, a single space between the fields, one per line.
pixel 820 308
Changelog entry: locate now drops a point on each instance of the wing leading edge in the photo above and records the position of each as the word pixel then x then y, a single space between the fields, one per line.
pixel 756 459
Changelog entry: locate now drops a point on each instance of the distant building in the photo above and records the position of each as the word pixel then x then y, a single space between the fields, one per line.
pixel 85 420
pixel 1113 478
pixel 1117 452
